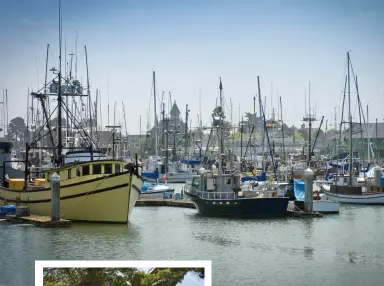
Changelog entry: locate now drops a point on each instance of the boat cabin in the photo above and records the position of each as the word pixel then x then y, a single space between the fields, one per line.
pixel 94 168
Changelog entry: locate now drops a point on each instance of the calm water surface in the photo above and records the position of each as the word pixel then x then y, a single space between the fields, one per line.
pixel 344 249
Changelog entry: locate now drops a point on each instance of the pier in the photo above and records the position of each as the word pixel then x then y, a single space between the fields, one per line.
pixel 165 202
pixel 40 221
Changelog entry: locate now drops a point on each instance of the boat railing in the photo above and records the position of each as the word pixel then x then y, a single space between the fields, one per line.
pixel 217 195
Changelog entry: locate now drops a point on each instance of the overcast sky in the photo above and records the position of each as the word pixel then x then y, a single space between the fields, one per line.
pixel 190 44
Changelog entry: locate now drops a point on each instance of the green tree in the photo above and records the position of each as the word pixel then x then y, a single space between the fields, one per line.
pixel 16 128
pixel 117 276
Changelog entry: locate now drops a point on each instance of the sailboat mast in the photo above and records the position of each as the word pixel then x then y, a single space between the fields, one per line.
pixel 89 102
pixel 368 135
pixel 221 127
pixel 309 126
pixel 126 130
pixel 59 97
pixel 141 155
pixel 261 113
pixel 156 131
pixel 282 126
pixel 6 107
pixel 254 133
pixel 350 123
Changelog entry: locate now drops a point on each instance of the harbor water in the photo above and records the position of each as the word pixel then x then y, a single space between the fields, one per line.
pixel 342 249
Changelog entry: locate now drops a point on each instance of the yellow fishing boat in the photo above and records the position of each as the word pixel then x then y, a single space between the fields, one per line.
pixel 96 191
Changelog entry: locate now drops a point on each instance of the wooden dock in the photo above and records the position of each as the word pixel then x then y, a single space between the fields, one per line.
pixel 303 214
pixel 40 221
pixel 165 202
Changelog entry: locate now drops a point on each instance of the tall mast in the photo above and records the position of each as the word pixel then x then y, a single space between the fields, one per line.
pixel 200 116
pixel 6 106
pixel 59 98
pixel 28 117
pixel 261 113
pixel 350 123
pixel 282 126
pixel 368 135
pixel 141 155
pixel 108 100
pixel 221 127
pixel 310 125
pixel 254 126
pixel 186 141
pixel 76 56
pixel 126 130
pixel 114 114
pixel 89 103
pixel 156 131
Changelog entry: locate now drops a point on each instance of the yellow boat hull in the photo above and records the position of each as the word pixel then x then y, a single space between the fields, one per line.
pixel 106 199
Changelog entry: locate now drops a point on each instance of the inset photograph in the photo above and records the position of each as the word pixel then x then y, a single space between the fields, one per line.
pixel 103 273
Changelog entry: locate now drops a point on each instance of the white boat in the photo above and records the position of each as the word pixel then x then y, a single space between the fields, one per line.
pixel 157 191
pixel 176 177
pixel 326 206
pixel 364 199
pixel 323 206
pixel 343 193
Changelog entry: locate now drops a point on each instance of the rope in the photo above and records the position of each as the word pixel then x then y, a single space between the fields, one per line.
pixel 105 177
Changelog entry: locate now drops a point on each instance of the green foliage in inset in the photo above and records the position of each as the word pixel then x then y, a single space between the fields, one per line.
pixel 116 276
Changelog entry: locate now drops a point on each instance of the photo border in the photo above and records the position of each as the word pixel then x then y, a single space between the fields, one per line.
pixel 41 264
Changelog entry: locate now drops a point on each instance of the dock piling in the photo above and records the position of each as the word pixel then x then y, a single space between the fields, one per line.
pixel 377 175
pixel 55 197
pixel 309 177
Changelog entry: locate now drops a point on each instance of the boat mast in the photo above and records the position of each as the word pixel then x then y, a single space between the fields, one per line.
pixel 261 114
pixel 156 131
pixel 221 127
pixel 126 130
pixel 369 143
pixel 309 125
pixel 282 126
pixel 59 97
pixel 89 103
pixel 350 123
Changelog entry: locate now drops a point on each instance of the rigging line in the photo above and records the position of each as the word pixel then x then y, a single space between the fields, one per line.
pixel 86 136
pixel 42 127
pixel 47 85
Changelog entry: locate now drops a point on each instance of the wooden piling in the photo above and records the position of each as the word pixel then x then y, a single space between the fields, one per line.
pixel 55 197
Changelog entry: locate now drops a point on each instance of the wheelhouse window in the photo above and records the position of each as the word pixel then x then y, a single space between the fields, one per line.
pixel 97 169
pixel 78 172
pixel 117 168
pixel 108 169
pixel 195 182
pixel 85 170
pixel 69 173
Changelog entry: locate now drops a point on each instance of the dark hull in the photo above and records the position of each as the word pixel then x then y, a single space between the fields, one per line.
pixel 242 207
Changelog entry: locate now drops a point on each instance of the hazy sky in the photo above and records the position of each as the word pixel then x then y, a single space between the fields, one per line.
pixel 190 44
